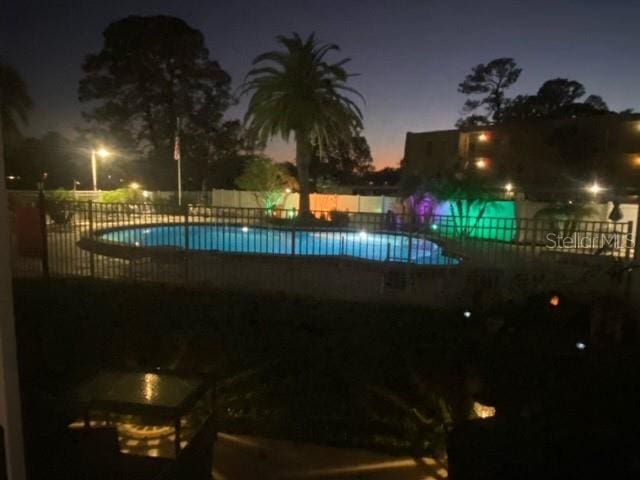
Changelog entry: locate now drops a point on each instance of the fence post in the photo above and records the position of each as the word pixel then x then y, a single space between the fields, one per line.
pixel 42 211
pixel 534 235
pixel 92 261
pixel 293 238
pixel 629 240
pixel 636 247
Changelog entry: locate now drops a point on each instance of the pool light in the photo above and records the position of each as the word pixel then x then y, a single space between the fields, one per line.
pixel 245 229
pixel 362 234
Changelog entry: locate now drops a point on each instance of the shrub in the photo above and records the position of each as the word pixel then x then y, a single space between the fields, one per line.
pixel 166 205
pixel 58 206
pixel 122 195
pixel 339 219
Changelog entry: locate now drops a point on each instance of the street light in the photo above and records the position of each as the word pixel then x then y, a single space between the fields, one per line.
pixel 595 188
pixel 102 153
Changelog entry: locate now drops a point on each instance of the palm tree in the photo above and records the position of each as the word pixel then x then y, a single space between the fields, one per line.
pixel 297 92
pixel 15 101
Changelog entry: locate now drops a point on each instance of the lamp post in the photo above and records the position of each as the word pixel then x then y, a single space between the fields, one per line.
pixel 102 153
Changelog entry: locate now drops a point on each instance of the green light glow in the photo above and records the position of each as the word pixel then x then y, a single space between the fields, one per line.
pixel 494 220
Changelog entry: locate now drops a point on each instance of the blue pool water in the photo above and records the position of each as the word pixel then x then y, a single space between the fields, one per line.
pixel 238 239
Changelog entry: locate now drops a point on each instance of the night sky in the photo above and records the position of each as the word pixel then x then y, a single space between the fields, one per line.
pixel 411 54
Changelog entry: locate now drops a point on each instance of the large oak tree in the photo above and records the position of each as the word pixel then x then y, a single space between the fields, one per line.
pixel 150 72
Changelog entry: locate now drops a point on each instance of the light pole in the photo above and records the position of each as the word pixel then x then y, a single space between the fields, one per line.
pixel 102 153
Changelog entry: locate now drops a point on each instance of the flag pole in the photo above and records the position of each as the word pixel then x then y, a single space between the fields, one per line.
pixel 177 157
pixel 10 415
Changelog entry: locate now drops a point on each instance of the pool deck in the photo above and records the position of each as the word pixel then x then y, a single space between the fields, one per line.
pixel 487 263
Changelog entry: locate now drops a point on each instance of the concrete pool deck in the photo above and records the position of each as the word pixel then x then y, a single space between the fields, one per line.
pixel 486 264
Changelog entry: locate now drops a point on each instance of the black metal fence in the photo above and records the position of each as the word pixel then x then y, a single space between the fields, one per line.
pixel 151 242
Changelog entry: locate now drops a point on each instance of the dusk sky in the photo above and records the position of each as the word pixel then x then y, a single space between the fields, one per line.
pixel 410 54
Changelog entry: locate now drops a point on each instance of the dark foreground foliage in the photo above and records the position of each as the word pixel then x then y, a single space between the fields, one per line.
pixel 392 378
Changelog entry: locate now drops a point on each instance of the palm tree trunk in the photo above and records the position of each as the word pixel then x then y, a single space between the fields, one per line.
pixel 303 159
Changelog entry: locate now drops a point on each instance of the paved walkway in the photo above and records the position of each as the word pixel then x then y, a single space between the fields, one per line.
pixel 240 457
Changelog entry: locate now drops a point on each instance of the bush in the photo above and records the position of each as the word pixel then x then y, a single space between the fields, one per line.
pixel 339 219
pixel 122 195
pixel 166 205
pixel 336 220
pixel 58 207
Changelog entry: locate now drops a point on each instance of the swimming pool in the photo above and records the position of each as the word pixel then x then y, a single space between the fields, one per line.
pixel 365 245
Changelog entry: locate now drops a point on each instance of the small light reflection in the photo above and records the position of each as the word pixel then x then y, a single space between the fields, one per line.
pixel 483 411
pixel 150 386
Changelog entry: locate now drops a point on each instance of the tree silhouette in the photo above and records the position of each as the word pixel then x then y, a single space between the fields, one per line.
pixel 557 93
pixel 489 80
pixel 15 102
pixel 296 92
pixel 556 98
pixel 150 71
pixel 342 162
pixel 233 148
pixel 597 103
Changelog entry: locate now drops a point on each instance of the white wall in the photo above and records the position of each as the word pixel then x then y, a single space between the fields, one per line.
pixel 319 201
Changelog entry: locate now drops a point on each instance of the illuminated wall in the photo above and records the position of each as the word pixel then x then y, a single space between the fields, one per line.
pixel 498 222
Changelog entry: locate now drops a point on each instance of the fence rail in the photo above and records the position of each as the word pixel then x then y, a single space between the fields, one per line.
pixel 182 244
